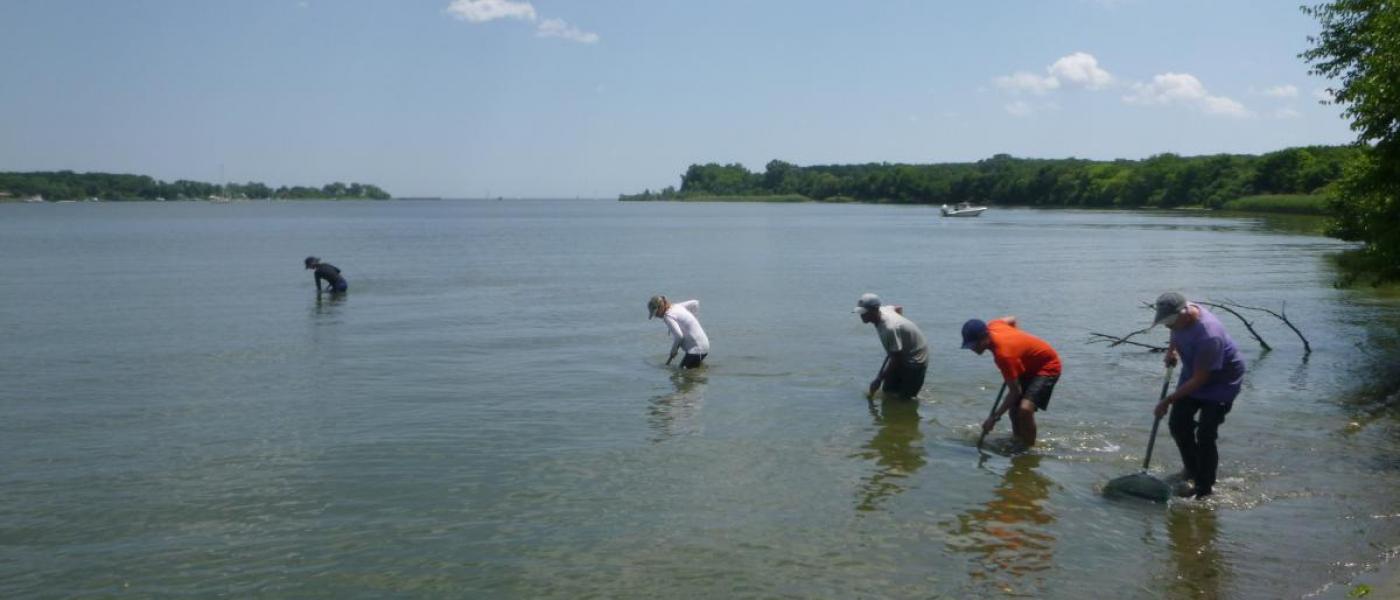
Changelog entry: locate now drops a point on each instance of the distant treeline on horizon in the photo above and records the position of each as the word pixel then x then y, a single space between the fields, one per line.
pixel 1164 180
pixel 67 185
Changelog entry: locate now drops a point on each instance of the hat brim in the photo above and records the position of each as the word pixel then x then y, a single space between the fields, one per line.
pixel 968 344
pixel 860 310
pixel 1167 320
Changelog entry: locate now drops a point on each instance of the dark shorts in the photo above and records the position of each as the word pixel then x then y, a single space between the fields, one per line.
pixel 340 286
pixel 692 360
pixel 905 379
pixel 1038 388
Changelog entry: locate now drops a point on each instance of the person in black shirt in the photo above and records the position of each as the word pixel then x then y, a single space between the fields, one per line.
pixel 328 272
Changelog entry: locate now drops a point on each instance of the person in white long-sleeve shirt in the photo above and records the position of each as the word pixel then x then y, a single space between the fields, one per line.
pixel 686 332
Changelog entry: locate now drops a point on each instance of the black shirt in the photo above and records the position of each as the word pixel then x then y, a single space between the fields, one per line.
pixel 329 273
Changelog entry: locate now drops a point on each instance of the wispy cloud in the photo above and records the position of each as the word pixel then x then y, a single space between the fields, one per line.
pixel 1282 91
pixel 483 11
pixel 1024 108
pixel 560 29
pixel 1022 81
pixel 1077 69
pixel 1020 108
pixel 1184 89
pixel 1287 113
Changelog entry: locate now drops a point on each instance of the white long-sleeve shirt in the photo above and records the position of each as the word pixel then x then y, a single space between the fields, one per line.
pixel 685 328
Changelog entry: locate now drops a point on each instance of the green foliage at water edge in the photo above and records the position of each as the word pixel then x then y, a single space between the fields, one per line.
pixel 1297 204
pixel 1359 49
pixel 1165 180
pixel 68 185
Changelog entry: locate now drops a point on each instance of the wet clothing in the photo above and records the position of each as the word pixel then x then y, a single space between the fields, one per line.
pixel 1038 388
pixel 1205 344
pixel 905 379
pixel 331 275
pixel 692 360
pixel 1018 353
pixel 899 334
pixel 686 332
pixel 1196 438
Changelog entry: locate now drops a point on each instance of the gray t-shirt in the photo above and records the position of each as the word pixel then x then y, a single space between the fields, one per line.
pixel 899 334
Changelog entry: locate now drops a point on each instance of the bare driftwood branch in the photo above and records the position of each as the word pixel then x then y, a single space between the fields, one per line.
pixel 1247 324
pixel 1115 340
pixel 1282 315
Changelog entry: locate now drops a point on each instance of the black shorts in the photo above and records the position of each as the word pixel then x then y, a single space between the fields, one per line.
pixel 1038 388
pixel 905 379
pixel 692 360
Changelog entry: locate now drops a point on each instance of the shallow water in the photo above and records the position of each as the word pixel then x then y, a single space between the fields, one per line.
pixel 486 412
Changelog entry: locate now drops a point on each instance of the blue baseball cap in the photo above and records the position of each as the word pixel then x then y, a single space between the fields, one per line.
pixel 973 331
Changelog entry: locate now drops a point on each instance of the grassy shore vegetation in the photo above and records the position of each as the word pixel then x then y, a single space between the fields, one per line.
pixel 67 185
pixel 1163 181
pixel 1295 204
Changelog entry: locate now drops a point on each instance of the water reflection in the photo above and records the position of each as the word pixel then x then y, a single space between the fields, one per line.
pixel 1009 534
pixel 677 413
pixel 327 303
pixel 897 450
pixel 1200 567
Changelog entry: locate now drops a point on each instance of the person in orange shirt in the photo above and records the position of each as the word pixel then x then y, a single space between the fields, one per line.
pixel 1029 366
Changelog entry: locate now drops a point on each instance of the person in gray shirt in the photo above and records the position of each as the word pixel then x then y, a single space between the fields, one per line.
pixel 906 352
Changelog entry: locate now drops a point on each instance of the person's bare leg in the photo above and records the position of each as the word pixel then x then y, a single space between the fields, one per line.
pixel 1027 418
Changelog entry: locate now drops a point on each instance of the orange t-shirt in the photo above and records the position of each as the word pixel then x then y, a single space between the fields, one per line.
pixel 1017 352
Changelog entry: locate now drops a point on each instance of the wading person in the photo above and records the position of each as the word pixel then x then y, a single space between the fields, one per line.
pixel 326 271
pixel 1029 366
pixel 1211 374
pixel 906 352
pixel 685 329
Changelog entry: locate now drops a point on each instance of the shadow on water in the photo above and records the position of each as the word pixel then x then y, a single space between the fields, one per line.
pixel 897 450
pixel 1199 567
pixel 677 413
pixel 1007 535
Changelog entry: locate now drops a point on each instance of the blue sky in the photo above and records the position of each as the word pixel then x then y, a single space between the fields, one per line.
pixel 555 98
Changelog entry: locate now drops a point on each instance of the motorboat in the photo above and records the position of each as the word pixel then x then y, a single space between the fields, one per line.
pixel 962 209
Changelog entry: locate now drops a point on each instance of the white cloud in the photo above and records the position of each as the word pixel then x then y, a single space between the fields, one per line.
pixel 1282 91
pixel 1185 90
pixel 1020 108
pixel 558 28
pixel 1081 68
pixel 1022 81
pixel 481 11
pixel 1286 113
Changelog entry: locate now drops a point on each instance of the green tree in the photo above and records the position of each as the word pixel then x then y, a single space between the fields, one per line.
pixel 1359 48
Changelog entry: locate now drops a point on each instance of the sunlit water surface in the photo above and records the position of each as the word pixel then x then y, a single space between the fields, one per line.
pixel 486 412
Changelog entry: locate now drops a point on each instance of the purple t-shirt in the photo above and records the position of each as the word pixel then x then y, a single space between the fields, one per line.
pixel 1205 343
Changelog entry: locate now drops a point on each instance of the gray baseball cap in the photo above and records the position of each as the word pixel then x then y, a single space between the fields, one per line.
pixel 866 303
pixel 1169 306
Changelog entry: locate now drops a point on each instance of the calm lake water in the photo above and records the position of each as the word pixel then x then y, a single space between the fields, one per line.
pixel 486 413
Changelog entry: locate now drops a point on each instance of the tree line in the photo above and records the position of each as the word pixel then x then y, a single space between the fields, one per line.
pixel 67 185
pixel 1358 48
pixel 1164 180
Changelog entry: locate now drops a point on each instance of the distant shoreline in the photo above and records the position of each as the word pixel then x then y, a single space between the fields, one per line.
pixel 1289 204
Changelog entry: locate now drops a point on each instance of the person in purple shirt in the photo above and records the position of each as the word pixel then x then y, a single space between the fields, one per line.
pixel 1211 374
